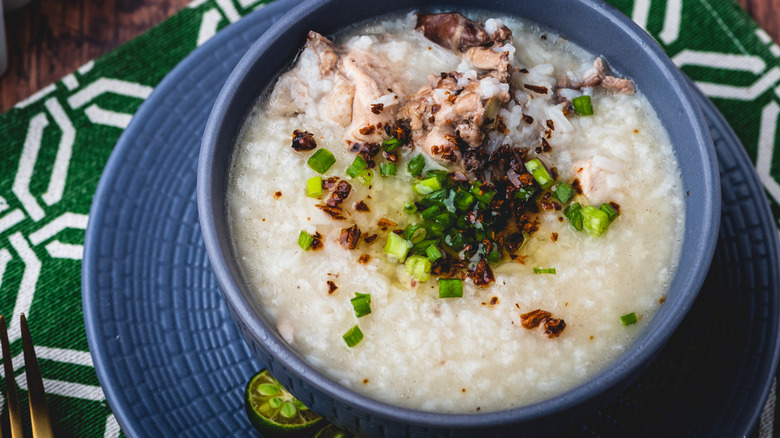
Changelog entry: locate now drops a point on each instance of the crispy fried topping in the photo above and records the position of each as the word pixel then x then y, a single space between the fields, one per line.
pixel 384 224
pixel 303 141
pixel 331 287
pixel 339 194
pixel 553 327
pixel 349 237
pixel 360 206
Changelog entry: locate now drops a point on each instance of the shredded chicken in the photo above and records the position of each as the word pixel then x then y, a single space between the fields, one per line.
pixel 456 109
pixel 597 76
pixel 346 89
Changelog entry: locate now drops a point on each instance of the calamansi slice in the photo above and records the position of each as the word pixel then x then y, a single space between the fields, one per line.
pixel 274 412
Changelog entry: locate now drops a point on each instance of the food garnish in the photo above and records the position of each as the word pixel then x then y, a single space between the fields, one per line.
pixel 274 412
pixel 353 336
pixel 629 319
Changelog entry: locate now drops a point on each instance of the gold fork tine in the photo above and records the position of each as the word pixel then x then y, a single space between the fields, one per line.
pixel 10 382
pixel 39 409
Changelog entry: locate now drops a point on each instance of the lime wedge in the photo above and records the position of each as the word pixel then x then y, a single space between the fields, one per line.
pixel 274 412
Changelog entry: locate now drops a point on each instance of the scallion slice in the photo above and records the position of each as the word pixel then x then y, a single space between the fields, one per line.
pixel 430 212
pixel 433 252
pixel 540 173
pixel 450 288
pixel 583 105
pixel 464 201
pixel 410 208
pixel 321 160
pixel 629 319
pixel 427 186
pixel 314 187
pixel 415 166
pixel 388 169
pixel 366 176
pixel 563 192
pixel 419 267
pixel 353 336
pixel 610 211
pixel 362 304
pixel 594 221
pixel 484 196
pixel 574 213
pixel 390 144
pixel 525 193
pixel 357 166
pixel 305 240
pixel 544 270
pixel 397 248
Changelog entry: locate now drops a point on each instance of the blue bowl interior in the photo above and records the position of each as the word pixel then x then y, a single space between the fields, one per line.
pixel 593 25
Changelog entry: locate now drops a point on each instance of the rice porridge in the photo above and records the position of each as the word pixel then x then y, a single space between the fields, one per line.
pixel 455 215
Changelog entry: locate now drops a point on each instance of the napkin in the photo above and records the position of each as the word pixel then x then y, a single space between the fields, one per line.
pixel 55 144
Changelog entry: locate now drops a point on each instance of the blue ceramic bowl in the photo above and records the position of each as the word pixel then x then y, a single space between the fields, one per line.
pixel 593 25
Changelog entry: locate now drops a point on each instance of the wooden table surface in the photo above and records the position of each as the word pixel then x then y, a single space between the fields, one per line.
pixel 50 38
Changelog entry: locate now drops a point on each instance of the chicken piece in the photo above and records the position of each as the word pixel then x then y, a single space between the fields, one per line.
pixel 497 63
pixel 598 76
pixel 598 177
pixel 315 80
pixel 369 75
pixel 456 32
pixel 338 104
pixel 449 111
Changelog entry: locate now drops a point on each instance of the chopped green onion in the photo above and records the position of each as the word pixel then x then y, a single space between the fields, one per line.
pixel 415 233
pixel 544 270
pixel 494 256
pixel 434 229
pixel 321 160
pixel 484 196
pixel 314 187
pixel 353 336
pixel 445 219
pixel 390 144
pixel 362 304
pixel 416 165
pixel 427 186
pixel 574 213
pixel 450 288
pixel 610 211
pixel 419 267
pixel 305 240
pixel 441 175
pixel 388 169
pixel 356 167
pixel 365 176
pixel 594 221
pixel 423 245
pixel 563 192
pixel 410 208
pixel 464 201
pixel 434 253
pixel 525 193
pixel 397 248
pixel 436 198
pixel 540 173
pixel 582 105
pixel 430 212
pixel 629 319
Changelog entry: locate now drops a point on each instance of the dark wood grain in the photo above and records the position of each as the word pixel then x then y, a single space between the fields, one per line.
pixel 766 13
pixel 50 38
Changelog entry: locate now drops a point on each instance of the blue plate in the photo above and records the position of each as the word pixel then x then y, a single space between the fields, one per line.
pixel 171 363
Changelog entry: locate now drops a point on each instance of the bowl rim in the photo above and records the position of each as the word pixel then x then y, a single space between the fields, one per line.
pixel 642 349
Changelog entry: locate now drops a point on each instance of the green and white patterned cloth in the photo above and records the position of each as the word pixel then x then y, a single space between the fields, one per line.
pixel 54 145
